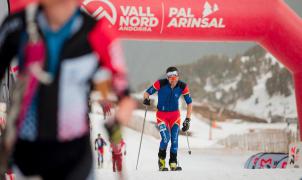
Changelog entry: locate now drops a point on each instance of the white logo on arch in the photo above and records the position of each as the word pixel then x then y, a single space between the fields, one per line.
pixel 100 12
pixel 186 17
pixel 209 9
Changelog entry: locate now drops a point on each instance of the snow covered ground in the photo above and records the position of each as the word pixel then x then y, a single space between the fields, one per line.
pixel 208 160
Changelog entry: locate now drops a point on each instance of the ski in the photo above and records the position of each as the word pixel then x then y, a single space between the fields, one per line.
pixel 177 169
pixel 164 169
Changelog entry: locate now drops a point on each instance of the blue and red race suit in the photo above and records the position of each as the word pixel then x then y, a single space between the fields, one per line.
pixel 99 145
pixel 168 115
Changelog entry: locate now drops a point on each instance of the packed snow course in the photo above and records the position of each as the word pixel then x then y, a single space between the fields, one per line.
pixel 208 160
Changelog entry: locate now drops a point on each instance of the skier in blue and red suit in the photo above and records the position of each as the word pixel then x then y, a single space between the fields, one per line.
pixel 168 115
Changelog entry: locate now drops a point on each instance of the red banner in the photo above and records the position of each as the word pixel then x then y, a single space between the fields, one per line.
pixel 182 20
pixel 263 21
pixel 271 23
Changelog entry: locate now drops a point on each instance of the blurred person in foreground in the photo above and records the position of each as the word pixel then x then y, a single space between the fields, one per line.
pixel 61 51
pixel 168 115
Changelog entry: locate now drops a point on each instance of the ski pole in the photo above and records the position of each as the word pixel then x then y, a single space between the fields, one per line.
pixel 139 150
pixel 189 151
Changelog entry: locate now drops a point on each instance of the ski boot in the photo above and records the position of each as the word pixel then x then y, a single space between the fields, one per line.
pixel 173 162
pixel 162 165
pixel 174 167
pixel 161 160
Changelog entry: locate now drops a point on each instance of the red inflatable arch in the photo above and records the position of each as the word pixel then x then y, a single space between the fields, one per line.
pixel 270 23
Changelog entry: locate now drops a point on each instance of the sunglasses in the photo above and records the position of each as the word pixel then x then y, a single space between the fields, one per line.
pixel 172 77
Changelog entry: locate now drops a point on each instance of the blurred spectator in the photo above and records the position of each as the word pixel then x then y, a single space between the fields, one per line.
pixel 61 51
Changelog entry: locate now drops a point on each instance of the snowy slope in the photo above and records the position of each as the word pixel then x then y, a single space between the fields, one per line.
pixel 266 106
pixel 276 105
pixel 207 161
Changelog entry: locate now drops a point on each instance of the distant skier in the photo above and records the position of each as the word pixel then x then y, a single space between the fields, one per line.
pixel 117 155
pixel 168 115
pixel 99 147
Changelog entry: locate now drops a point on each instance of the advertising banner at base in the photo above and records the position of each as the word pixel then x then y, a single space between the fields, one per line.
pixel 295 155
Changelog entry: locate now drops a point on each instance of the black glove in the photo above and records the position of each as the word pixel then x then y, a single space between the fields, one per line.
pixel 147 102
pixel 186 125
pixel 114 132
